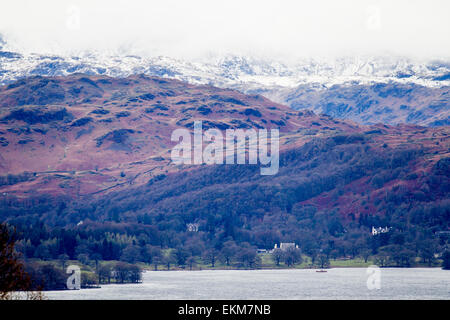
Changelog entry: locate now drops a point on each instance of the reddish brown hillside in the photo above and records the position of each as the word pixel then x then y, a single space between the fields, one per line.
pixel 83 134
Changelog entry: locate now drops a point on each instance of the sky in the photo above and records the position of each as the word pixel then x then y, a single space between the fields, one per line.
pixel 197 28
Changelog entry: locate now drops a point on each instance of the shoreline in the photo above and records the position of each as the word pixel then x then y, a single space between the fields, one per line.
pixel 273 269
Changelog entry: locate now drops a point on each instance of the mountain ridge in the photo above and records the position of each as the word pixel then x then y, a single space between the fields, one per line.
pixel 283 82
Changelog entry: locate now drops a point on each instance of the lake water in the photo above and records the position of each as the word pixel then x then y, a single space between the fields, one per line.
pixel 339 283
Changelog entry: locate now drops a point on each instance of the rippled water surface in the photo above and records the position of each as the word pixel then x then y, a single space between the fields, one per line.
pixel 343 283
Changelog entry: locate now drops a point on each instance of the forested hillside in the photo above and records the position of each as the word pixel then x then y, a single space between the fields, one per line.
pixel 94 178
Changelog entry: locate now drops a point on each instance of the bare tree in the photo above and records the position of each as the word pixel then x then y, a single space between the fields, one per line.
pixel 191 262
pixel 210 256
pixel 292 256
pixel 277 256
pixel 323 261
pixel 12 274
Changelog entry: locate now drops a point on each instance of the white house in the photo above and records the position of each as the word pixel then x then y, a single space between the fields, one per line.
pixel 285 246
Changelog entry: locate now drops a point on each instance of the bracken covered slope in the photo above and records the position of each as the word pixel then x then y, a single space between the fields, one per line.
pixel 106 141
pixel 79 135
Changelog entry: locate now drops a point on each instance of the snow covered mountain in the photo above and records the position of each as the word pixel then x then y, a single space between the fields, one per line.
pixel 304 83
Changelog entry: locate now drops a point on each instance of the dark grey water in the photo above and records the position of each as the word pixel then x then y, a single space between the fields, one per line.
pixel 344 283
